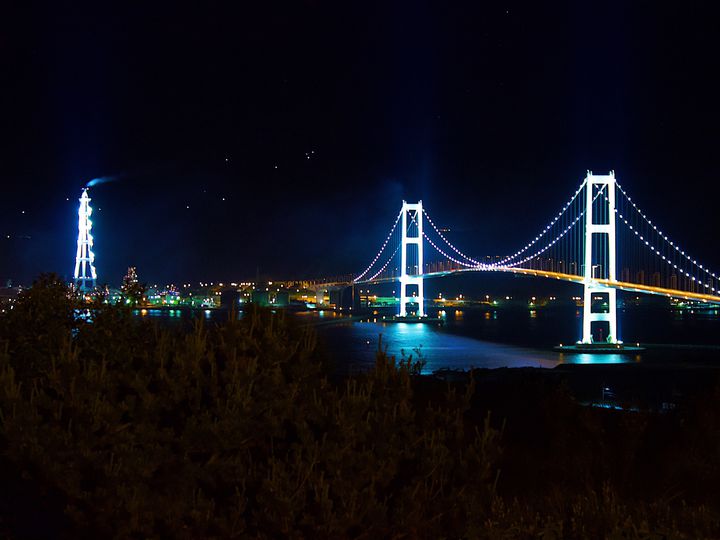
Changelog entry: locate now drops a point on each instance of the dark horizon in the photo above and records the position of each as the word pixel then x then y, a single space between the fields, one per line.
pixel 294 133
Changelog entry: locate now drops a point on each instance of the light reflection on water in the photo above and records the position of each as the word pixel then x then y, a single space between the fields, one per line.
pixel 483 339
pixel 585 358
pixel 359 342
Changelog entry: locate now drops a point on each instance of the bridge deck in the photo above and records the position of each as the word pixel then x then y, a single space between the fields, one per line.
pixel 622 285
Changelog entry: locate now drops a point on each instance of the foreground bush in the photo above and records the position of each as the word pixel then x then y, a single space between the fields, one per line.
pixel 228 432
pixel 111 427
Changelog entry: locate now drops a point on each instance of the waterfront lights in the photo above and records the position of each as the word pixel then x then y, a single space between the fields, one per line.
pixel 85 274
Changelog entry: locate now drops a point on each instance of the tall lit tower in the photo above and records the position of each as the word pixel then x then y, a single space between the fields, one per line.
pixel 85 275
pixel 412 214
pixel 600 226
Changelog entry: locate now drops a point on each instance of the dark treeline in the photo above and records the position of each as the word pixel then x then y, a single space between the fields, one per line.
pixel 112 427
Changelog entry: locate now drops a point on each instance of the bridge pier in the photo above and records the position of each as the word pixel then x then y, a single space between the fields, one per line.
pixel 345 298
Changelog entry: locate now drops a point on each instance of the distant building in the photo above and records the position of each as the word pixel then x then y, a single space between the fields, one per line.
pixel 271 298
pixel 130 277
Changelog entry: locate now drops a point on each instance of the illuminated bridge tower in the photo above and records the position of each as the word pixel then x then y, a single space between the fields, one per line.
pixel 85 275
pixel 599 241
pixel 412 245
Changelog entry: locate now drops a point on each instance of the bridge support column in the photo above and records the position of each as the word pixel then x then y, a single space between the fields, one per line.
pixel 596 267
pixel 412 222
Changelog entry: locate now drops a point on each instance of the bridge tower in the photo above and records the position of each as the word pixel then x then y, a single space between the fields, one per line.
pixel 412 221
pixel 85 274
pixel 604 228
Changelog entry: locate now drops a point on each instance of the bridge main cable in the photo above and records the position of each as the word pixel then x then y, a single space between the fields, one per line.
pixel 553 242
pixel 503 263
pixel 660 254
pixel 543 232
pixel 665 237
pixel 456 250
pixel 382 249
pixel 508 259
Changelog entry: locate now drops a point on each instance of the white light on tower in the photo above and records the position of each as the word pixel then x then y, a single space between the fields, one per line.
pixel 85 275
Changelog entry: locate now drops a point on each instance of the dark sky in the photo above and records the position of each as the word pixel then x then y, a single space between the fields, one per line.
pixel 491 112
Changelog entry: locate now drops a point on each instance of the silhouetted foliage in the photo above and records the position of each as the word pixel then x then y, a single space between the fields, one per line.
pixel 231 431
pixel 116 428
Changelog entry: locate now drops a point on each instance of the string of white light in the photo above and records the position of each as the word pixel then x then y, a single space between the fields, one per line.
pixel 664 236
pixel 499 265
pixel 543 250
pixel 384 266
pixel 448 256
pixel 657 252
pixel 544 231
pixel 456 250
pixel 520 251
pixel 392 230
pixel 476 264
pixel 555 240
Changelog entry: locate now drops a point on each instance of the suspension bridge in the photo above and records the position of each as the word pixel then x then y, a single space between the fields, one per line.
pixel 600 239
pixel 597 232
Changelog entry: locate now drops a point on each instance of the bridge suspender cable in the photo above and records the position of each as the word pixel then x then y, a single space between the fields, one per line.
pixel 497 266
pixel 478 266
pixel 654 254
pixel 456 250
pixel 552 243
pixel 665 237
pixel 544 249
pixel 384 266
pixel 544 231
pixel 502 264
pixel 659 252
pixel 504 261
pixel 385 243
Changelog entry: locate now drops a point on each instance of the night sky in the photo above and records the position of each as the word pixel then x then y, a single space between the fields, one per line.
pixel 293 131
